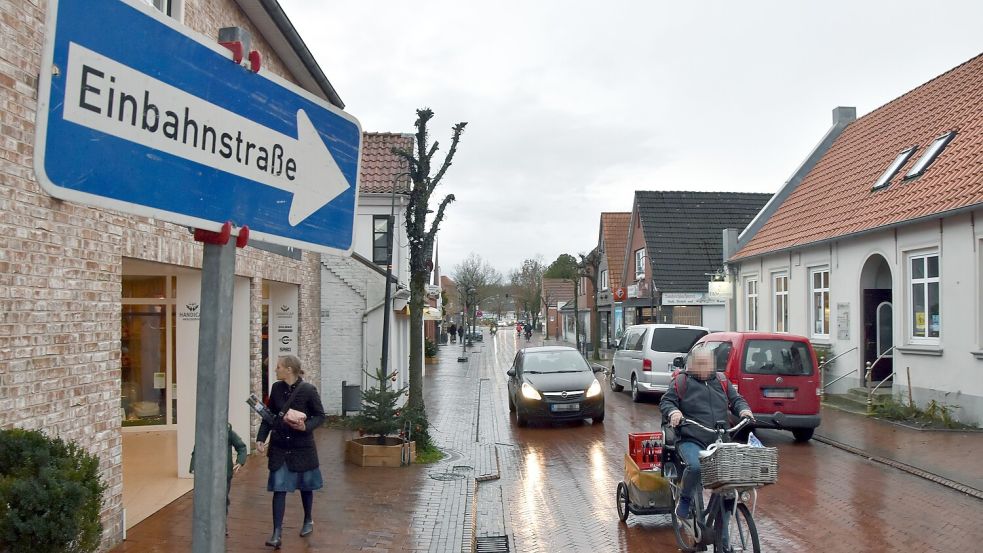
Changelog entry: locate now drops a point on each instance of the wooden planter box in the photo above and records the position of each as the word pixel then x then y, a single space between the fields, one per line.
pixel 366 452
pixel 430 360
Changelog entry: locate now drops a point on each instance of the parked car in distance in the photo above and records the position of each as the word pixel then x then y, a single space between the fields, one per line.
pixel 777 374
pixel 554 383
pixel 643 362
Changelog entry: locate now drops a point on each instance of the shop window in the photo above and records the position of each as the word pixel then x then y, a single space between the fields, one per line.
pixel 780 287
pixel 819 281
pixel 143 375
pixel 751 286
pixel 925 317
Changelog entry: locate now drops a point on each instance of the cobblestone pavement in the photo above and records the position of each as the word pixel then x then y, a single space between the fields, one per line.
pixel 551 488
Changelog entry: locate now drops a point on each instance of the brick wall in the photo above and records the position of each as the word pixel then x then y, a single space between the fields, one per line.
pixel 348 288
pixel 61 270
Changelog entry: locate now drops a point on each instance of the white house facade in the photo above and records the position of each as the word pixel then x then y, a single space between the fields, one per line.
pixel 353 288
pixel 873 248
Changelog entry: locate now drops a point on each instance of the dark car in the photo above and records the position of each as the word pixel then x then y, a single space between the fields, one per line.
pixel 554 383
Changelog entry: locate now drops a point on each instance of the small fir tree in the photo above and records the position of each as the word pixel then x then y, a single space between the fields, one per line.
pixel 379 417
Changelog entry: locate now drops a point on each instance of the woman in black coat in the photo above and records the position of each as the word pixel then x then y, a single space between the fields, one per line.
pixel 292 454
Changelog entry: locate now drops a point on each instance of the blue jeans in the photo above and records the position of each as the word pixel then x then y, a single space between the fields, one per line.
pixel 690 452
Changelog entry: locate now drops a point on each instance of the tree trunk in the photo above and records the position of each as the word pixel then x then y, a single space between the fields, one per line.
pixel 417 295
pixel 595 331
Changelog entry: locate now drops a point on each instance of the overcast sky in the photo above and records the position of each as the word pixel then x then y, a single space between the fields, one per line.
pixel 573 105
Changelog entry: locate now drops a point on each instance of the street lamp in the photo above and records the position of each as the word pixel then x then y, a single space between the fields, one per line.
pixel 645 256
pixel 467 296
pixel 387 302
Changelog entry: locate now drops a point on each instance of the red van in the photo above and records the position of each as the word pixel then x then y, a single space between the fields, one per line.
pixel 777 374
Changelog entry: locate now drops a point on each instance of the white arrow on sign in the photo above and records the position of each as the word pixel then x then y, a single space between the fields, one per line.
pixel 107 96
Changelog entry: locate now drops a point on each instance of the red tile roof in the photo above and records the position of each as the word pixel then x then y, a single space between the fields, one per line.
pixel 614 232
pixel 380 167
pixel 557 289
pixel 836 198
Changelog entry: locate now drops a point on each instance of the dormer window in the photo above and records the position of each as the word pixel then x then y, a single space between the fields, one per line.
pixel 894 168
pixel 932 152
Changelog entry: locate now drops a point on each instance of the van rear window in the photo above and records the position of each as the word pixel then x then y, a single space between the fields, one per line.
pixel 677 340
pixel 782 357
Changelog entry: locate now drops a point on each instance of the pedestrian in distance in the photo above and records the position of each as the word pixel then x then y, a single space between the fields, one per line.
pixel 292 455
pixel 460 332
pixel 700 394
pixel 452 330
pixel 236 444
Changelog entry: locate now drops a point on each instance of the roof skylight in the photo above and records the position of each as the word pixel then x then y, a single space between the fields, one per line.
pixel 894 167
pixel 932 152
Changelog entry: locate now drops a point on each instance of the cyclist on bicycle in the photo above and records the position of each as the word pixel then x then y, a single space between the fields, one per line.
pixel 698 393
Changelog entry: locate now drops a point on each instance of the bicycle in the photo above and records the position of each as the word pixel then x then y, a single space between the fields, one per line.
pixel 726 523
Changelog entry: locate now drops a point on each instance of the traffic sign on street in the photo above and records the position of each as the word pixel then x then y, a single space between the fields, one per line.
pixel 140 114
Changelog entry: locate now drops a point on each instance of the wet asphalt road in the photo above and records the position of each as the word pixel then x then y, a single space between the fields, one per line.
pixel 558 487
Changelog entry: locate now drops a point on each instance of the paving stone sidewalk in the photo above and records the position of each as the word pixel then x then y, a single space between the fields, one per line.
pixel 949 454
pixel 409 509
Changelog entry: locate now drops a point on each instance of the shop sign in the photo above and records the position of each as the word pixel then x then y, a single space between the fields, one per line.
pixel 687 298
pixel 140 114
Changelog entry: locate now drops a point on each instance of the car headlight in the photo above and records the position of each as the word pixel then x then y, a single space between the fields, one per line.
pixel 529 392
pixel 595 389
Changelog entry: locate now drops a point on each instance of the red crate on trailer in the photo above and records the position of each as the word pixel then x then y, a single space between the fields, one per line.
pixel 646 449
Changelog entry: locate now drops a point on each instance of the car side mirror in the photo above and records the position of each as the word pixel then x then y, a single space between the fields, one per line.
pixel 678 362
pixel 598 368
pixel 511 372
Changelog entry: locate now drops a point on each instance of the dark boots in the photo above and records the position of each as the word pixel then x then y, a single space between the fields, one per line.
pixel 275 540
pixel 307 528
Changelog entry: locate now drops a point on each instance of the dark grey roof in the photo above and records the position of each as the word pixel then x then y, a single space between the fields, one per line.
pixel 683 232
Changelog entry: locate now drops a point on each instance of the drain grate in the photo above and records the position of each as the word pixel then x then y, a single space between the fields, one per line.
pixel 492 544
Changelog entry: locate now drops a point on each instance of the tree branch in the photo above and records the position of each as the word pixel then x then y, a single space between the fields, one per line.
pixel 458 129
pixel 438 217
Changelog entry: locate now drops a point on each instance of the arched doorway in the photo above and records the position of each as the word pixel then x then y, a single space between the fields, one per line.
pixel 878 316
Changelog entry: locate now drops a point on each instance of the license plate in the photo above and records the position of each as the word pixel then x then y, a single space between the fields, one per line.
pixel 779 393
pixel 565 407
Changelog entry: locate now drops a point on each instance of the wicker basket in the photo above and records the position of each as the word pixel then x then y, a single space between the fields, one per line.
pixel 739 466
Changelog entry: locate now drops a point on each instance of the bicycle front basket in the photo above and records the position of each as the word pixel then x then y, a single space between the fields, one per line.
pixel 739 465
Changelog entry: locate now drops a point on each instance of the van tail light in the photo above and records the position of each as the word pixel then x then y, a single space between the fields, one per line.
pixel 647 365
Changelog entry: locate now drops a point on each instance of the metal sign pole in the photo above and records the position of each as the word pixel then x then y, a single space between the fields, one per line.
pixel 212 401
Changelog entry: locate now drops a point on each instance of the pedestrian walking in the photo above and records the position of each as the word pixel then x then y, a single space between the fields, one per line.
pixel 452 330
pixel 236 444
pixel 292 454
pixel 460 331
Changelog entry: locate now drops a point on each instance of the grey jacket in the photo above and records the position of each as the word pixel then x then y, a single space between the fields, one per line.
pixel 703 401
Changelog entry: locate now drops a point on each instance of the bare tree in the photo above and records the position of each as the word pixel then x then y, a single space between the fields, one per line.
pixel 527 286
pixel 421 241
pixel 588 266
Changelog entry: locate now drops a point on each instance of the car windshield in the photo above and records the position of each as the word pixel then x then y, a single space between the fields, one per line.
pixel 783 357
pixel 677 340
pixel 554 362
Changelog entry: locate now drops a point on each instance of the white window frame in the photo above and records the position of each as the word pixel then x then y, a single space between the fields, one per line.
pixel 604 280
pixel 926 281
pixel 172 8
pixel 780 302
pixel 751 290
pixel 823 292
pixel 639 263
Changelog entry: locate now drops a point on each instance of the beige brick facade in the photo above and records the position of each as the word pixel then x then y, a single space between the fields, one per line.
pixel 61 269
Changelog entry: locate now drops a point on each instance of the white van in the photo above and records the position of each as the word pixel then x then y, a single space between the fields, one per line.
pixel 643 360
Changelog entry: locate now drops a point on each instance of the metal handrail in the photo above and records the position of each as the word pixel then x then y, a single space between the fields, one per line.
pixel 841 377
pixel 870 368
pixel 834 358
pixel 822 389
pixel 870 371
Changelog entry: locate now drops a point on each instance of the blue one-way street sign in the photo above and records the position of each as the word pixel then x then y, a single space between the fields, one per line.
pixel 139 114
